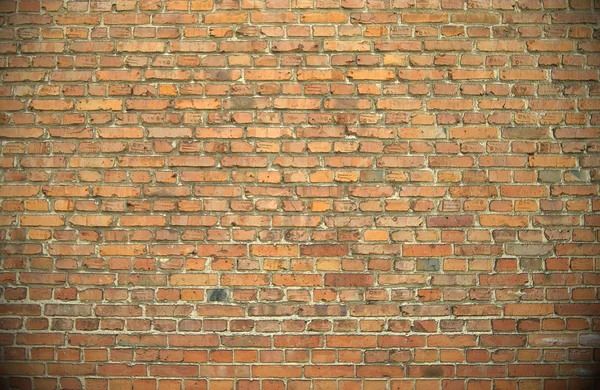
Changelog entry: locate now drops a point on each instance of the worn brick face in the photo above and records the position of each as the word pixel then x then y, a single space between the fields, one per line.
pixel 299 194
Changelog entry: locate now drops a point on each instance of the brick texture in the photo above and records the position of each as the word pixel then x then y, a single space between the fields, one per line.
pixel 299 194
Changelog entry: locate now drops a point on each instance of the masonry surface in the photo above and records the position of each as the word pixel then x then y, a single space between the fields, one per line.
pixel 299 194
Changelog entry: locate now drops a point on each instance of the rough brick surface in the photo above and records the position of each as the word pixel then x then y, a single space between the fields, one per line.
pixel 299 194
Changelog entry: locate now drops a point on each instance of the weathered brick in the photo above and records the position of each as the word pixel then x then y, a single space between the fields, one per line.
pixel 299 195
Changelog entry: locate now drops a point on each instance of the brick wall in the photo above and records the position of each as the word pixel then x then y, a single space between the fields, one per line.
pixel 299 194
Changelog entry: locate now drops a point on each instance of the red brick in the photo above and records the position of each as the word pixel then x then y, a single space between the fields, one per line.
pixel 531 370
pixel 324 250
pixel 320 74
pixel 298 341
pixel 549 45
pixel 398 104
pixel 303 195
pixel 20 191
pixel 40 339
pixel 20 309
pixel 348 280
pixel 198 341
pixel 193 279
pixel 451 341
pixel 523 74
pixel 431 250
pixel 99 105
pixel 287 371
pixel 244 280
pixel 351 341
pixel 334 371
pixel 439 371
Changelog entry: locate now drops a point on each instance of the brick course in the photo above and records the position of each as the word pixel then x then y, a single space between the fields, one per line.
pixel 299 194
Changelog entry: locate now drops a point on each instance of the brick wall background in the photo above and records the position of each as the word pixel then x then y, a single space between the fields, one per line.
pixel 299 194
